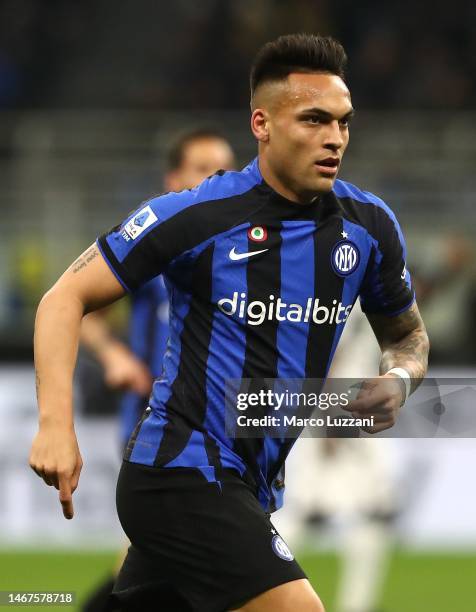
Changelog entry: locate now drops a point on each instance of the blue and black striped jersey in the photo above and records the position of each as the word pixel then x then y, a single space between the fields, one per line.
pixel 260 287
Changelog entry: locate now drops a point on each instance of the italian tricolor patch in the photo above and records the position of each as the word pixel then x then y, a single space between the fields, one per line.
pixel 258 233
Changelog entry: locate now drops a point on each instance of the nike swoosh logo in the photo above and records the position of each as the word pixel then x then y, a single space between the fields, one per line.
pixel 237 256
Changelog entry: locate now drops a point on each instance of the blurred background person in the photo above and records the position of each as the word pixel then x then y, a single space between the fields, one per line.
pixel 193 156
pixel 446 281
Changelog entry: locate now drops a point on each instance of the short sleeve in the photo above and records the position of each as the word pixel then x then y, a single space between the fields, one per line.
pixel 387 287
pixel 143 245
pixel 176 227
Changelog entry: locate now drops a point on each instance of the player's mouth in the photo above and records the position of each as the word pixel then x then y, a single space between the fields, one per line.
pixel 328 166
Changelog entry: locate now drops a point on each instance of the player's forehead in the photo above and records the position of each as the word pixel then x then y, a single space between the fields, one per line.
pixel 207 150
pixel 324 91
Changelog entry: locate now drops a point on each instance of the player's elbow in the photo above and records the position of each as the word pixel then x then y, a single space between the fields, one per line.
pixel 60 298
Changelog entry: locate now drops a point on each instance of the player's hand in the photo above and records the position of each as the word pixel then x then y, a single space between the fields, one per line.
pixel 55 457
pixel 123 370
pixel 380 398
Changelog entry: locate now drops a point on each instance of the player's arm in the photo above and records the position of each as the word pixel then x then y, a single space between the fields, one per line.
pixel 122 369
pixel 404 343
pixel 88 284
pixel 388 300
pixel 135 252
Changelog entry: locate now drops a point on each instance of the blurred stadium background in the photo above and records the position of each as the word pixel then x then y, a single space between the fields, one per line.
pixel 91 93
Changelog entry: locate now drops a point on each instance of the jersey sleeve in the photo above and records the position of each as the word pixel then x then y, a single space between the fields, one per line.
pixel 149 239
pixel 387 287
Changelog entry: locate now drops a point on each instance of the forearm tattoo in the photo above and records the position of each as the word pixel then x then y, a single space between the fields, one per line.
pixel 410 353
pixel 404 343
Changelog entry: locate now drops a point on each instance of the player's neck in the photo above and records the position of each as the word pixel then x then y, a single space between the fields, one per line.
pixel 282 189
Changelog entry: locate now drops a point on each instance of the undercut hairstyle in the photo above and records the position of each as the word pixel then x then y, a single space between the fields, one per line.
pixel 176 150
pixel 303 53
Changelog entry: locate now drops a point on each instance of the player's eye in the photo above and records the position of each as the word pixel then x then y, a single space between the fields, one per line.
pixel 345 121
pixel 313 119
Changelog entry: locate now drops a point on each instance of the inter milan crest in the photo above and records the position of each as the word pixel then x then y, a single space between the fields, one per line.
pixel 257 233
pixel 281 548
pixel 345 257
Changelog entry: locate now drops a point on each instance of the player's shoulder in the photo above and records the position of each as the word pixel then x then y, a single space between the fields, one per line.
pixel 364 204
pixel 220 186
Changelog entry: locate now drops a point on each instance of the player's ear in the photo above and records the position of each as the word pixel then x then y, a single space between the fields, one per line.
pixel 259 124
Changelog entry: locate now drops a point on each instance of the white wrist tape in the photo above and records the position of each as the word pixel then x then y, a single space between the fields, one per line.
pixel 405 376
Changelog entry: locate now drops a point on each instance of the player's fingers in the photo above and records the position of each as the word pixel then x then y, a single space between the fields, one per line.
pixel 368 410
pixel 48 476
pixel 378 427
pixel 367 406
pixel 75 476
pixel 36 470
pixel 377 418
pixel 65 495
pixel 141 382
pixel 141 387
pixel 376 399
pixel 116 382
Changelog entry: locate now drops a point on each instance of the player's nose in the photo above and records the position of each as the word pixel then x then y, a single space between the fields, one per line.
pixel 334 139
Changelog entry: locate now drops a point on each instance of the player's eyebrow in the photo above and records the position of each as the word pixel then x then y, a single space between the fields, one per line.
pixel 325 115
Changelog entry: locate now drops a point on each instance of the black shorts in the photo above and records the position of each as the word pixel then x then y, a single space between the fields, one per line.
pixel 195 546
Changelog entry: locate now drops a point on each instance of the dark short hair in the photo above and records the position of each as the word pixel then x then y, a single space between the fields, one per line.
pixel 305 53
pixel 176 150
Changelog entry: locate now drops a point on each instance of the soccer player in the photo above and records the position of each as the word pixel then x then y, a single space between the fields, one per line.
pixel 263 267
pixel 193 156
